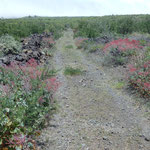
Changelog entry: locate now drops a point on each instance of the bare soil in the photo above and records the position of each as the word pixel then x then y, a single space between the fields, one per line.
pixel 92 113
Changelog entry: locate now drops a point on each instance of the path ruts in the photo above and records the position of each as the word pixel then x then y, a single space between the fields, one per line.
pixel 92 115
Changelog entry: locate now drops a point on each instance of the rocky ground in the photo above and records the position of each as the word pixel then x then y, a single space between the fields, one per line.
pixel 92 113
pixel 35 46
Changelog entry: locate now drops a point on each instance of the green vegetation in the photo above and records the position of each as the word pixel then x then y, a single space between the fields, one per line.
pixel 120 85
pixel 90 27
pixel 91 46
pixel 24 27
pixel 26 99
pixel 8 45
pixel 119 52
pixel 93 27
pixel 72 71
pixel 69 46
pixel 26 91
pixel 147 54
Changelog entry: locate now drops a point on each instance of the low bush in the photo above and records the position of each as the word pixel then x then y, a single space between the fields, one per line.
pixel 80 41
pixel 91 46
pixel 147 54
pixel 143 42
pixel 93 27
pixel 47 42
pixel 26 99
pixel 139 78
pixel 118 52
pixel 8 45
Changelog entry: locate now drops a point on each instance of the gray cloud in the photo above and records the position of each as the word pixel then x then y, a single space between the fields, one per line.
pixel 19 8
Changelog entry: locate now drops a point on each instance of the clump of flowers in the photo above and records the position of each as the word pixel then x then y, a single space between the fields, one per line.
pixel 123 44
pixel 139 78
pixel 28 99
pixel 48 42
pixel 79 42
pixel 119 51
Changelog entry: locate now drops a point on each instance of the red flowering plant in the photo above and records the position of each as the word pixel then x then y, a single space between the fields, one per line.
pixel 79 42
pixel 119 51
pixel 48 42
pixel 139 78
pixel 29 92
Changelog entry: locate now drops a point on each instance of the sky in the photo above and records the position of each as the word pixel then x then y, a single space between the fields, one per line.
pixel 21 8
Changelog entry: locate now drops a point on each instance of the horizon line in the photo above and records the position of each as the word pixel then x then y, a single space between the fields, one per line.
pixel 70 16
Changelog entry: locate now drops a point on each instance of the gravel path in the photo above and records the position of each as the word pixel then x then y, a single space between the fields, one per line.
pixel 92 114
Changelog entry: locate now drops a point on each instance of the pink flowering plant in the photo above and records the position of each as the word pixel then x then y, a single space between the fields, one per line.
pixel 80 41
pixel 28 99
pixel 118 52
pixel 139 78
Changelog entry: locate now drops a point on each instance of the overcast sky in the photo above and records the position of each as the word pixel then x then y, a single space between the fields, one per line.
pixel 20 8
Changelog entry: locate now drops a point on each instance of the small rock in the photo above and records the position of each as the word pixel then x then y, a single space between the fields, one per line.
pixel 42 53
pixel 147 139
pixel 141 146
pixel 25 51
pixel 6 60
pixel 81 81
pixel 64 97
pixel 53 126
pixel 105 138
pixel 84 85
pixel 36 54
pixel 112 132
pixel 19 58
pixel 67 105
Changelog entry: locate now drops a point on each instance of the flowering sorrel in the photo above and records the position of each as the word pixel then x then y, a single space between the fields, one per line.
pixel 119 51
pixel 79 41
pixel 123 44
pixel 28 98
pixel 139 78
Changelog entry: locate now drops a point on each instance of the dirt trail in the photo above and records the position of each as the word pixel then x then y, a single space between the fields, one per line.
pixel 92 115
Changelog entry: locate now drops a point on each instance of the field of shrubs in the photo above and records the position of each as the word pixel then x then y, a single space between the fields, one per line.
pixel 27 83
pixel 121 41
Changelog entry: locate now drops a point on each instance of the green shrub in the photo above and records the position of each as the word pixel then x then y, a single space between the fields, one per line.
pixel 8 45
pixel 24 27
pixel 147 54
pixel 91 46
pixel 124 25
pixel 81 42
pixel 143 42
pixel 95 47
pixel 92 27
pixel 118 52
pixel 28 99
pixel 139 78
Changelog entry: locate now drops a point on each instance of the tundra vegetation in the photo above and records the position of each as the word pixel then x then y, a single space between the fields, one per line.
pixel 27 86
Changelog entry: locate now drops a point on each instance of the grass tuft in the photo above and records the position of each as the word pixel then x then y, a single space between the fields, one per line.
pixel 120 85
pixel 72 71
pixel 69 46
